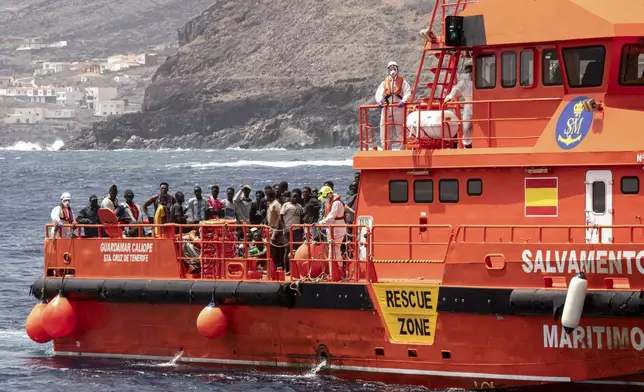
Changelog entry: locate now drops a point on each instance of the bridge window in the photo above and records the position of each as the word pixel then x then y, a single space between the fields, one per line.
pixel 485 71
pixel 474 187
pixel 551 68
pixel 398 191
pixel 585 66
pixel 632 67
pixel 448 191
pixel 508 69
pixel 527 68
pixel 599 197
pixel 424 191
pixel 630 185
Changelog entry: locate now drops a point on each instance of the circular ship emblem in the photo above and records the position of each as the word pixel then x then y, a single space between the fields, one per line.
pixel 573 124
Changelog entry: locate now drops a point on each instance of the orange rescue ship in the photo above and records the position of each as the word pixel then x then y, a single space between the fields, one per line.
pixel 517 262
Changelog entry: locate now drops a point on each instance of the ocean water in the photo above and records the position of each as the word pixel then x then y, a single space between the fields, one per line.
pixel 33 181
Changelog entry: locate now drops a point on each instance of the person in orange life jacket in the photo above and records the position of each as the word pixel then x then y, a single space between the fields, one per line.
pixel 89 216
pixel 333 215
pixel 154 200
pixel 322 211
pixel 61 215
pixel 394 90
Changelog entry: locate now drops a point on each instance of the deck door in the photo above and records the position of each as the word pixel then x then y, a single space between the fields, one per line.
pixel 366 223
pixel 599 206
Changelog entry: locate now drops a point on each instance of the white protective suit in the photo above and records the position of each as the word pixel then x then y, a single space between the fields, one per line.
pixel 337 210
pixel 57 215
pixel 464 88
pixel 394 113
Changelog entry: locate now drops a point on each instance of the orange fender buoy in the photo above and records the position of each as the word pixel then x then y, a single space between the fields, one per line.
pixel 212 322
pixel 318 263
pixel 34 325
pixel 59 318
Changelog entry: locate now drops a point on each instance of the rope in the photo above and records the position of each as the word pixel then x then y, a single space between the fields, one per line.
pixel 71 242
pixel 48 259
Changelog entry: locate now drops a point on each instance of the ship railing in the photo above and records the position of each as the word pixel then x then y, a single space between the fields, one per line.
pixel 331 252
pixel 401 131
pixel 203 251
pixel 229 251
pixel 77 230
pixel 225 251
pixel 416 243
pixel 551 234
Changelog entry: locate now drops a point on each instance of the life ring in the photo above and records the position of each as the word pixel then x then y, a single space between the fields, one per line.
pixel 110 222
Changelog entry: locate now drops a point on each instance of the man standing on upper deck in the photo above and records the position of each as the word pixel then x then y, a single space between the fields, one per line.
pixel 464 88
pixel 394 90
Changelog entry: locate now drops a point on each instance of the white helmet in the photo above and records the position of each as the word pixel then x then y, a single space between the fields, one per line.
pixel 392 63
pixel 65 196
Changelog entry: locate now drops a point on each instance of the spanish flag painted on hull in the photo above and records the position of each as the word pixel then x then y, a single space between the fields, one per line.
pixel 541 197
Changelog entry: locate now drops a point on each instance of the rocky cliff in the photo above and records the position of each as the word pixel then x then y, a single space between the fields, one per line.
pixel 266 73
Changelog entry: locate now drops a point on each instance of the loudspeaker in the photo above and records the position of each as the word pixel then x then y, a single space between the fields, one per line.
pixel 454 30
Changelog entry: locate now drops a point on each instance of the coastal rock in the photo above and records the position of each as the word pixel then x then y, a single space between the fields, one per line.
pixel 271 74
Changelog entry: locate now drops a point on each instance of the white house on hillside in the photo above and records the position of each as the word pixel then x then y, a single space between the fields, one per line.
pixel 36 115
pixel 109 108
pixel 95 94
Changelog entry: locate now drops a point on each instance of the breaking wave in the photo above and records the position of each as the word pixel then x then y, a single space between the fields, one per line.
pixel 255 149
pixel 27 146
pixel 247 163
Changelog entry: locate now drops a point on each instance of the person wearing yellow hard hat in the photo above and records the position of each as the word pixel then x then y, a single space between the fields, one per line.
pixel 333 215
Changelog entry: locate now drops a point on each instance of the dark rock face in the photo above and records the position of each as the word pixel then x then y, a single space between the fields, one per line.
pixel 271 74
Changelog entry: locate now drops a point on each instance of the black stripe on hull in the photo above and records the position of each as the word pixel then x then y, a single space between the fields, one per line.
pixel 495 301
pixel 526 302
pixel 305 295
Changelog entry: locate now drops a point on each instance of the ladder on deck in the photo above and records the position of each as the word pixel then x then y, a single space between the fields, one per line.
pixel 443 60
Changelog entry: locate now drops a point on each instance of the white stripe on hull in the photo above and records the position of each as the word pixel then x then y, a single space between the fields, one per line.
pixel 418 372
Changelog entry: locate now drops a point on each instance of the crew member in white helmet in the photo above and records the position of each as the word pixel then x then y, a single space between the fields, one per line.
pixel 62 215
pixel 464 88
pixel 394 90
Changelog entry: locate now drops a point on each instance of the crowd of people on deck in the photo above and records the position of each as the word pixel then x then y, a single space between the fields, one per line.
pixel 277 207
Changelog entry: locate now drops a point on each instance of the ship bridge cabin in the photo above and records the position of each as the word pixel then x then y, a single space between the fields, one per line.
pixel 557 114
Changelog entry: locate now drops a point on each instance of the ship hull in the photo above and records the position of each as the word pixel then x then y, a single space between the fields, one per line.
pixel 485 351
